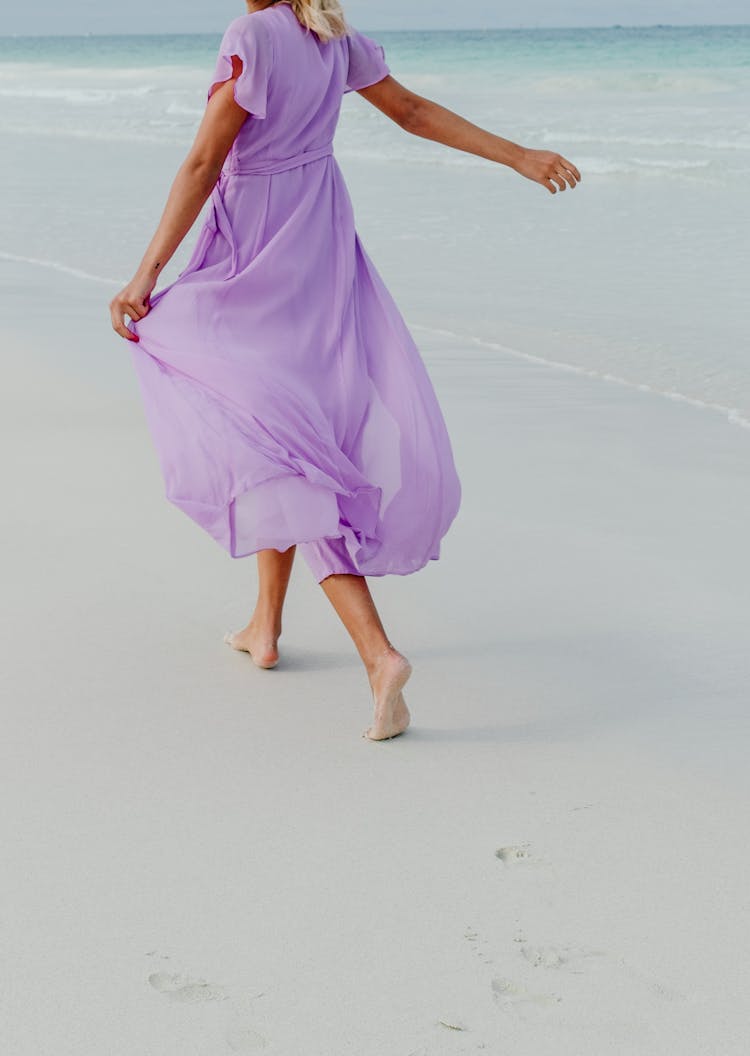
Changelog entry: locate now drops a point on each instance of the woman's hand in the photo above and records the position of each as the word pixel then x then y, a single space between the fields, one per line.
pixel 550 169
pixel 132 300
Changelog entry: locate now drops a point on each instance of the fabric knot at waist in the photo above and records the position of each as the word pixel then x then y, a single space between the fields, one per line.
pixel 268 166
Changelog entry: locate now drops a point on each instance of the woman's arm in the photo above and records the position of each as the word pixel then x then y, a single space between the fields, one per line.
pixel 422 117
pixel 192 185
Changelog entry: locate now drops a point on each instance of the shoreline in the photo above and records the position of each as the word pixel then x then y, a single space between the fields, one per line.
pixel 733 415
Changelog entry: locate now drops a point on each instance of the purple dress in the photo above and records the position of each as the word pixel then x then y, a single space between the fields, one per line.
pixel 285 396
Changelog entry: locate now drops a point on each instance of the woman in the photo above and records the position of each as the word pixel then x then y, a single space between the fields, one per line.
pixel 287 400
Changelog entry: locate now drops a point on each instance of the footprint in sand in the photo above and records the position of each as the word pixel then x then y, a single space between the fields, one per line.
pixel 518 854
pixel 476 942
pixel 182 988
pixel 575 960
pixel 511 995
pixel 544 956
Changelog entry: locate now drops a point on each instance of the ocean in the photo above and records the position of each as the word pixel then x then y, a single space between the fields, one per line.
pixel 639 275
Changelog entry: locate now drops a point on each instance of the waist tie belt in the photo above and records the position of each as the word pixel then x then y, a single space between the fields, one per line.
pixel 267 166
pixel 261 167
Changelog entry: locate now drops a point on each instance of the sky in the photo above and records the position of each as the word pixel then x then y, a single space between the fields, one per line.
pixel 208 16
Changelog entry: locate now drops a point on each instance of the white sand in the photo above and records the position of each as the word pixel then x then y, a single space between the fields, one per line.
pixel 200 857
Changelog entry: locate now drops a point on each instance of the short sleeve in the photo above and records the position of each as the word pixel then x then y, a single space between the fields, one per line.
pixel 248 38
pixel 367 63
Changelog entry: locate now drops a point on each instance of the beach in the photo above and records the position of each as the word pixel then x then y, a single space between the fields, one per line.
pixel 201 857
pixel 204 857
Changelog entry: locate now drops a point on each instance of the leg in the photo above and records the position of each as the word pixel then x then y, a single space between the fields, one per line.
pixel 260 637
pixel 387 669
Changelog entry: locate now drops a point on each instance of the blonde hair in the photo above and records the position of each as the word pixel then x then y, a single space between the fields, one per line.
pixel 323 17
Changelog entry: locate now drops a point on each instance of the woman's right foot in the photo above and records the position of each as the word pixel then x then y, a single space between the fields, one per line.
pixel 262 645
pixel 388 675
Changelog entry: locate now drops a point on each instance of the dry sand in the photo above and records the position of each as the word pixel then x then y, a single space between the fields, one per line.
pixel 202 858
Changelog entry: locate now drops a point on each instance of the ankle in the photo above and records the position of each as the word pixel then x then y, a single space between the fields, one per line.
pixel 266 619
pixel 374 659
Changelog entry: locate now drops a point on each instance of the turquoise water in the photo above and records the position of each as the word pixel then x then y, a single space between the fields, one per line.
pixel 636 275
pixel 622 47
pixel 636 86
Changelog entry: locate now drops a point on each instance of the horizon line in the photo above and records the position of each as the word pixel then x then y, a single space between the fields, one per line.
pixel 412 29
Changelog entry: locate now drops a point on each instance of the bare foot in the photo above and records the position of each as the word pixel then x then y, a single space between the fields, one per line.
pixel 259 643
pixel 388 675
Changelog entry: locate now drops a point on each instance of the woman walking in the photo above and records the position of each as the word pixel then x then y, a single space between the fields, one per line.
pixel 288 403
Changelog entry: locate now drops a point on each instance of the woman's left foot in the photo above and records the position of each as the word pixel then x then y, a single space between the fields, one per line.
pixel 388 676
pixel 261 645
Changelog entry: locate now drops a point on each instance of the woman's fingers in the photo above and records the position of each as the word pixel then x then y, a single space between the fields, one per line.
pixel 562 172
pixel 568 173
pixel 133 300
pixel 135 309
pixel 552 170
pixel 562 178
pixel 571 168
pixel 123 331
pixel 565 174
pixel 118 309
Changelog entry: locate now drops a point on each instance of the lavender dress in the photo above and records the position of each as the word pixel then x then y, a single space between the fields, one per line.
pixel 286 398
